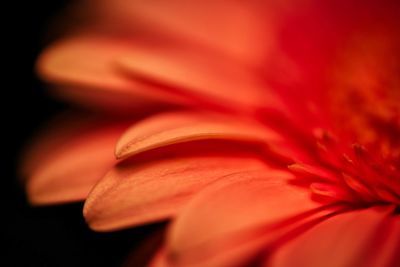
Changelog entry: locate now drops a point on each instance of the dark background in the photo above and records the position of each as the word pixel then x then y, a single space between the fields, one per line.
pixel 45 236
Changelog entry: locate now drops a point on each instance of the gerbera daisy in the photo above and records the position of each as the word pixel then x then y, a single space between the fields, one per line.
pixel 291 157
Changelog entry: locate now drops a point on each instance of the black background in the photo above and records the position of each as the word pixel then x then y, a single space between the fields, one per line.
pixel 44 236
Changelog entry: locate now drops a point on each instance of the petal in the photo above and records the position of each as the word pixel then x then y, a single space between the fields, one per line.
pixel 389 245
pixel 236 28
pixel 202 74
pixel 350 237
pixel 178 127
pixel 78 62
pixel 69 157
pixel 239 29
pixel 213 220
pixel 145 189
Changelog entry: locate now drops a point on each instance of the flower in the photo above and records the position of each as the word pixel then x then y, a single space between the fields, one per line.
pixel 287 152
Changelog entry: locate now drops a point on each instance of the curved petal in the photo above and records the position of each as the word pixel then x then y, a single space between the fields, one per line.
pixel 350 237
pixel 211 222
pixel 141 190
pixel 82 60
pixel 85 65
pixel 178 127
pixel 65 162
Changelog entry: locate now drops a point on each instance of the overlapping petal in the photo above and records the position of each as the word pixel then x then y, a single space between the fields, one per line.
pixel 179 127
pixel 212 24
pixel 85 68
pixel 161 182
pixel 205 75
pixel 351 236
pixel 224 224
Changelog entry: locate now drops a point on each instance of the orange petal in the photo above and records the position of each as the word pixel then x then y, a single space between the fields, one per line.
pixel 229 208
pixel 179 127
pixel 239 29
pixel 205 75
pixel 343 240
pixel 65 162
pixel 141 190
pixel 85 66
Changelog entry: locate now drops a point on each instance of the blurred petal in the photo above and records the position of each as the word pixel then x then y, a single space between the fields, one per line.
pixel 223 210
pixel 83 60
pixel 201 74
pixel 350 236
pixel 65 162
pixel 178 127
pixel 214 24
pixel 85 66
pixel 159 185
pixel 317 36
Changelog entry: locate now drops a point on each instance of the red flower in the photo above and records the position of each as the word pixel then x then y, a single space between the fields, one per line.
pixel 290 153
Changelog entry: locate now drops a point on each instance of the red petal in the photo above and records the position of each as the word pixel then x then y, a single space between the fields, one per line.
pixel 344 240
pixel 179 127
pixel 65 162
pixel 142 190
pixel 389 245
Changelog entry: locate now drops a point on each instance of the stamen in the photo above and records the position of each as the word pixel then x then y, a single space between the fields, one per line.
pixel 364 192
pixel 332 191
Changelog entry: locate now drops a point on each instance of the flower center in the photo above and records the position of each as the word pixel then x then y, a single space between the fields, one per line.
pixel 350 174
pixel 361 164
pixel 365 96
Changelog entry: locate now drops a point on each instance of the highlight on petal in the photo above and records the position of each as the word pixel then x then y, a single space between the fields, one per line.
pixel 85 67
pixel 178 127
pixel 347 239
pixel 153 187
pixel 208 228
pixel 65 162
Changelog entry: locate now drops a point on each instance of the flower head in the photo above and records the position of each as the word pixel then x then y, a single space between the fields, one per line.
pixel 287 149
